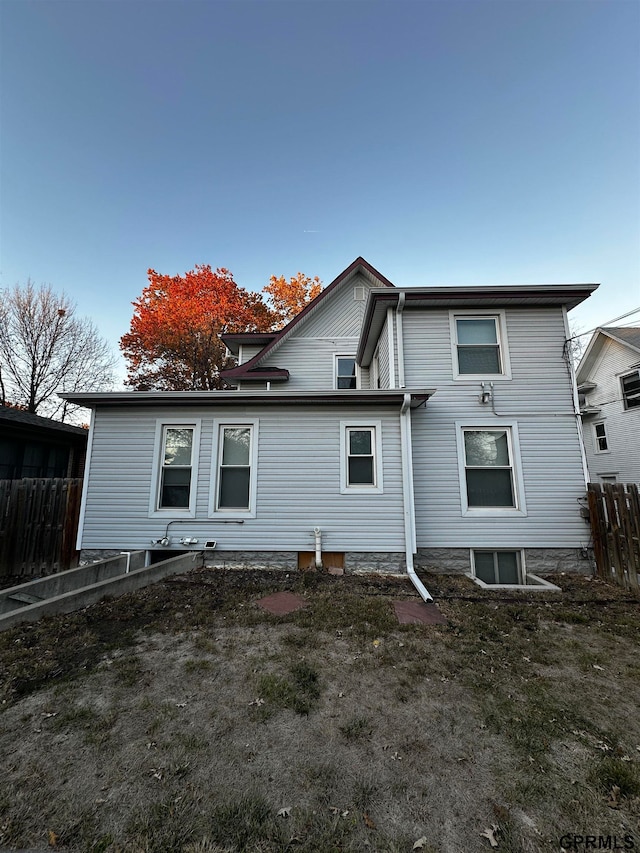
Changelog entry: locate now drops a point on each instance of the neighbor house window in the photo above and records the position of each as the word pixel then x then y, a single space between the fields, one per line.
pixel 488 478
pixel 631 390
pixel 361 460
pixel 235 480
pixel 176 474
pixel 601 438
pixel 479 348
pixel 346 372
pixel 498 567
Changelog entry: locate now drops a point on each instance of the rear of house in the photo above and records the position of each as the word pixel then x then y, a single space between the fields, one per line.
pixel 386 427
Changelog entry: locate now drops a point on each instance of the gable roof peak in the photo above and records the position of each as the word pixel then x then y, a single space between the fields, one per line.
pixel 360 265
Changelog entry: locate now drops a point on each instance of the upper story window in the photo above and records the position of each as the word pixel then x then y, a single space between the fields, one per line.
pixel 346 372
pixel 631 389
pixel 479 342
pixel 601 438
pixel 175 468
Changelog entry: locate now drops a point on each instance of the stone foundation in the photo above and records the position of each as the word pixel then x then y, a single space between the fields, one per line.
pixel 282 560
pixel 444 561
pixel 540 561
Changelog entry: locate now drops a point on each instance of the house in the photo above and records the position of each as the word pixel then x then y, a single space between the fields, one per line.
pixel 608 379
pixel 383 428
pixel 32 446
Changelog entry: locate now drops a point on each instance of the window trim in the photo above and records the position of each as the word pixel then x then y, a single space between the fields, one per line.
pixel 513 443
pixel 502 342
pixel 155 511
pixel 521 564
pixel 337 356
pixel 596 443
pixel 622 377
pixel 361 488
pixel 233 512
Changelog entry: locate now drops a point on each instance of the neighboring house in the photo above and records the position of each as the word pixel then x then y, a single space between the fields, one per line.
pixel 31 446
pixel 385 426
pixel 608 379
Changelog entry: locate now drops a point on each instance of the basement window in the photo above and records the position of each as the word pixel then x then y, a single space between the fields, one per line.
pixel 504 569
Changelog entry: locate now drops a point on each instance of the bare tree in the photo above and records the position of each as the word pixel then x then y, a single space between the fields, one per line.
pixel 45 348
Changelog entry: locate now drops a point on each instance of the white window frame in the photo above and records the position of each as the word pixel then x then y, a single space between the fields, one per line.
pixel 520 558
pixel 596 438
pixel 513 443
pixel 338 356
pixel 155 511
pixel 502 343
pixel 361 488
pixel 624 376
pixel 218 432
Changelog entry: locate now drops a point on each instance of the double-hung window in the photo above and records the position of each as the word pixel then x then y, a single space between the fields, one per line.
pixel 234 483
pixel 346 372
pixel 361 460
pixel 489 480
pixel 479 345
pixel 631 390
pixel 175 468
pixel 600 432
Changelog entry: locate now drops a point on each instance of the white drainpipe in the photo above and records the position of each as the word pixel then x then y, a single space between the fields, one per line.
pixel 318 535
pixel 408 497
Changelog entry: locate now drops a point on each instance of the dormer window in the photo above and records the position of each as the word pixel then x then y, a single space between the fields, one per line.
pixel 346 372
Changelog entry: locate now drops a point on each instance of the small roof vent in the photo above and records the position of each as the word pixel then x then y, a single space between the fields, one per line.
pixel 358 293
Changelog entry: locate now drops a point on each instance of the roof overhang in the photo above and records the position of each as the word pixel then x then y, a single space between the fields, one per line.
pixel 496 297
pixel 233 341
pixel 601 336
pixel 162 399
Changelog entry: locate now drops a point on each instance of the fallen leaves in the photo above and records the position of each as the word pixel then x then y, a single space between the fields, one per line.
pixel 490 834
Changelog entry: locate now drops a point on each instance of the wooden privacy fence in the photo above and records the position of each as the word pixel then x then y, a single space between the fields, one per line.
pixel 614 511
pixel 38 525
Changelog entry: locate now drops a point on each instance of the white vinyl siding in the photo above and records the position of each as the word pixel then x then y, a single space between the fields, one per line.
pixel 332 329
pixel 538 400
pixel 298 483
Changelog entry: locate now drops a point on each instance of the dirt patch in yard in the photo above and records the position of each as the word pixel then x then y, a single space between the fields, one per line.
pixel 185 718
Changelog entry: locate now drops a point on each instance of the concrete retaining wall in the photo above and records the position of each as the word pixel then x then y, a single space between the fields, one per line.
pixel 88 585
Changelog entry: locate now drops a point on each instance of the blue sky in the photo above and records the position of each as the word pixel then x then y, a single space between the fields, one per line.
pixel 446 142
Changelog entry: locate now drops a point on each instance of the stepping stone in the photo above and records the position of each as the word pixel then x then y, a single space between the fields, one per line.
pixel 281 603
pixel 416 613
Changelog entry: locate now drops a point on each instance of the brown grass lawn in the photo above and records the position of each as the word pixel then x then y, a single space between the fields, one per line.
pixel 184 718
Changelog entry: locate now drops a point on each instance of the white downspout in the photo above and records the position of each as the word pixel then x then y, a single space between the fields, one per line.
pixel 400 339
pixel 318 535
pixel 408 497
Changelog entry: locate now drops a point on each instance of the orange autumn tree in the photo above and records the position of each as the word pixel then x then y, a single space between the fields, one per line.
pixel 288 298
pixel 174 343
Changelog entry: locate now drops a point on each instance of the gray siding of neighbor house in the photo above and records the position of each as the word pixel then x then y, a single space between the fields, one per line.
pixel 298 483
pixel 622 426
pixel 332 330
pixel 537 399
